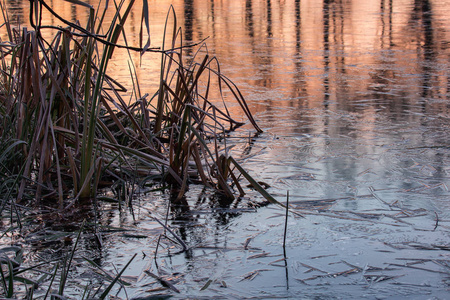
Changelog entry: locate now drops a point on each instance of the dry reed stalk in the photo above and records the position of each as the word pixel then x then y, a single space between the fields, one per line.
pixel 71 127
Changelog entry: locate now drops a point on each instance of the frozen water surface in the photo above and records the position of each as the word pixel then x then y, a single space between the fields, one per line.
pixel 353 98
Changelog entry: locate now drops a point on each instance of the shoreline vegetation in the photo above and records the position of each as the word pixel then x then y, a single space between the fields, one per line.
pixel 67 131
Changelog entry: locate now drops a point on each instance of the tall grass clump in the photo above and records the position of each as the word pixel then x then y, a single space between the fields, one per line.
pixel 65 126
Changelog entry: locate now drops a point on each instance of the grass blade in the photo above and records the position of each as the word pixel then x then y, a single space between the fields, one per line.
pixel 108 289
pixel 65 272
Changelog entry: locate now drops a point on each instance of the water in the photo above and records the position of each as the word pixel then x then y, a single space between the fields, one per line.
pixel 353 100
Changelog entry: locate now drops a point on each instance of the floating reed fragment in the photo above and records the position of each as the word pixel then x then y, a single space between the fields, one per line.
pixel 164 282
pixel 251 275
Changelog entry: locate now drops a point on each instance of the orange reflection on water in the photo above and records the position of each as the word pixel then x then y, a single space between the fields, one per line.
pixel 305 54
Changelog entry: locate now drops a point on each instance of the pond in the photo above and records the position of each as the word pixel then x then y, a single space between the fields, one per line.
pixel 353 98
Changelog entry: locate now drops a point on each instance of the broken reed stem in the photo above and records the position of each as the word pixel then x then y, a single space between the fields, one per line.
pixel 180 241
pixel 285 223
pixel 159 238
pixel 437 221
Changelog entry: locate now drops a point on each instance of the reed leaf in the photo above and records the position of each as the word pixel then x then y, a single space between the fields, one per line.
pixel 67 265
pixel 110 286
pixel 254 183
